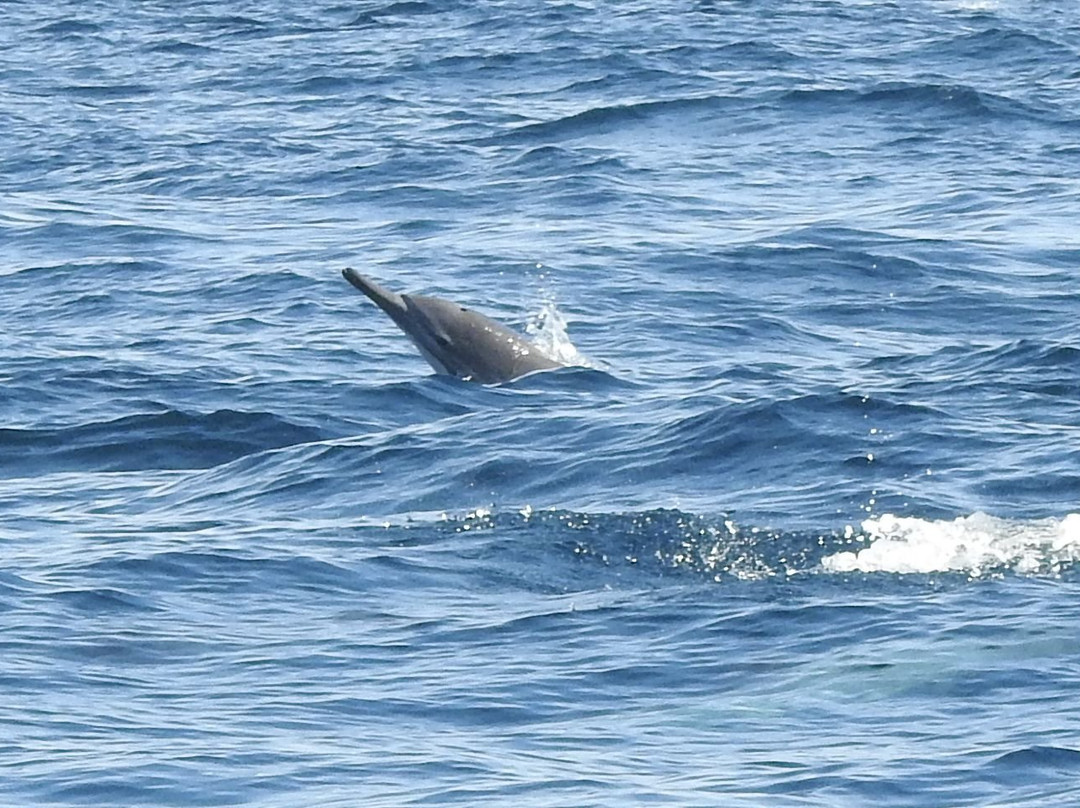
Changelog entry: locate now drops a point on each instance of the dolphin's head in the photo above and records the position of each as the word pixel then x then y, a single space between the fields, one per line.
pixel 453 339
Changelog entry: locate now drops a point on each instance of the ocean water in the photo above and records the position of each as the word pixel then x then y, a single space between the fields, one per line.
pixel 799 525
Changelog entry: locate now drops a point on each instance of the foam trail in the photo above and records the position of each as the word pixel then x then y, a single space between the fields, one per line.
pixel 975 544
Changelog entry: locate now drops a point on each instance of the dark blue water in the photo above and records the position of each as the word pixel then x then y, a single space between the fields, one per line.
pixel 799 527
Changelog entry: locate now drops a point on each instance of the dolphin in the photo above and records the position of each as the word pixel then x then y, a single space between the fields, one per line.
pixel 457 341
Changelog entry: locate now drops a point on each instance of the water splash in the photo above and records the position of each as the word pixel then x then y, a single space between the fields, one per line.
pixel 548 330
pixel 977 545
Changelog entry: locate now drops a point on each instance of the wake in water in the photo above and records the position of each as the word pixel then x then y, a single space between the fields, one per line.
pixel 671 541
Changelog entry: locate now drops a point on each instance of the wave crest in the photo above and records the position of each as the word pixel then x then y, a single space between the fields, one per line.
pixel 976 545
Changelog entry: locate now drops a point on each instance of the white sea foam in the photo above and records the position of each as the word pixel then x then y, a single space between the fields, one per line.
pixel 975 544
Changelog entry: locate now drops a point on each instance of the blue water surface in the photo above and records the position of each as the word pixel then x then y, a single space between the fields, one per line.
pixel 798 525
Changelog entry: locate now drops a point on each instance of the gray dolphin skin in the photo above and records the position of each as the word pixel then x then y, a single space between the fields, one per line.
pixel 455 340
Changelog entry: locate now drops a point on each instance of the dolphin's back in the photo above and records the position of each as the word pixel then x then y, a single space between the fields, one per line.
pixel 455 340
pixel 477 347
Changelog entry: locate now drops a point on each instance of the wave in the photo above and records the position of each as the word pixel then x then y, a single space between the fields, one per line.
pixel 975 545
pixel 163 440
pixel 1023 760
pixel 69 28
pixel 229 24
pixel 177 46
pixel 922 98
pixel 608 118
pixel 1044 366
pixel 433 443
pixel 108 91
pixel 885 98
pixel 324 85
pixel 664 542
pixel 1002 44
pixel 402 8
pixel 67 273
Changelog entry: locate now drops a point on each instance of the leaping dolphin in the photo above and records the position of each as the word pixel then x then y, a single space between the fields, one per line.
pixel 455 340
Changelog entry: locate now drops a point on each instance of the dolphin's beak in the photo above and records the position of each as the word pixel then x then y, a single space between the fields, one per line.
pixel 390 302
